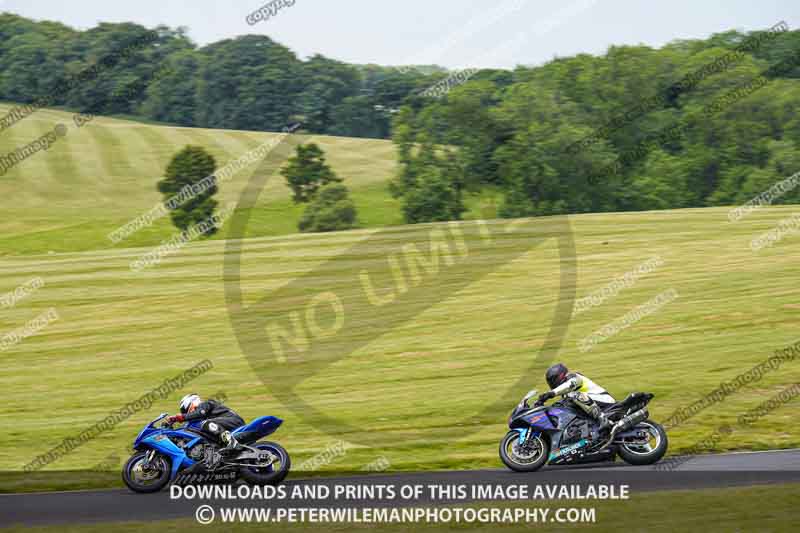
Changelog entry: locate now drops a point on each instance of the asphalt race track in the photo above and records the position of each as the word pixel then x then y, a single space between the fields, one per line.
pixel 707 471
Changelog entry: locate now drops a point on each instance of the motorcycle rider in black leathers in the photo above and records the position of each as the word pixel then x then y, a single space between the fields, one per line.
pixel 218 419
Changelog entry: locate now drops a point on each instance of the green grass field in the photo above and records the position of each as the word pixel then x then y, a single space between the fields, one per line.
pixel 122 333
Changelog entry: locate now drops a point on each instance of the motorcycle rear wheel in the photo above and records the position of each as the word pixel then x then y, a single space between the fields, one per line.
pixel 649 453
pixel 519 460
pixel 272 474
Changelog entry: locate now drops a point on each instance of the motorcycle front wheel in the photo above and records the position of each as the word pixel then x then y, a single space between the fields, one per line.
pixel 528 458
pixel 143 477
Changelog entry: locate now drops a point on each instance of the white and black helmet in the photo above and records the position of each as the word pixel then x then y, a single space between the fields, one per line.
pixel 188 401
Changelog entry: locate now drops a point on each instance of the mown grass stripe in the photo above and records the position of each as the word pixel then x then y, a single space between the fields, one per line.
pixel 113 151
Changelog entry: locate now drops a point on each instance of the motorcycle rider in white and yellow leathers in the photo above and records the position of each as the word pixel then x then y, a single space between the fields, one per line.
pixel 585 393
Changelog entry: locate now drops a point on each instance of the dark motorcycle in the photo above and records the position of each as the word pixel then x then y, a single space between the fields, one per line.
pixel 562 433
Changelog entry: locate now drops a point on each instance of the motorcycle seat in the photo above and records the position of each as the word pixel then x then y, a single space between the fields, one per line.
pixel 632 399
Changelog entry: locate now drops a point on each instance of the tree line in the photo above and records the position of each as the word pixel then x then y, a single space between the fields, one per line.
pixel 694 123
pixel 248 83
pixel 617 132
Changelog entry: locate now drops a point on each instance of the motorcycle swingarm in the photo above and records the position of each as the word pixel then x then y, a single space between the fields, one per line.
pixel 265 458
pixel 631 436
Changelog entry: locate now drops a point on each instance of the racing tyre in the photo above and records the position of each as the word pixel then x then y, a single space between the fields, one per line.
pixel 650 452
pixel 271 474
pixel 143 478
pixel 528 458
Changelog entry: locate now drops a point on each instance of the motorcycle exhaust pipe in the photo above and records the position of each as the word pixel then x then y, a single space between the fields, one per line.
pixel 630 420
pixel 624 424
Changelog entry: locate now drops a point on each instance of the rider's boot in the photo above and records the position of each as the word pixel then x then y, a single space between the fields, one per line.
pixel 596 413
pixel 231 444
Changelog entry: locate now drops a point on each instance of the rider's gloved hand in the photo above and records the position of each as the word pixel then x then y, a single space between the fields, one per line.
pixel 545 396
pixel 173 419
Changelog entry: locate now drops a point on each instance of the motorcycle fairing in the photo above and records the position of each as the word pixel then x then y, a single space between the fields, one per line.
pixel 258 428
pixel 165 446
pixel 567 450
pixel 523 433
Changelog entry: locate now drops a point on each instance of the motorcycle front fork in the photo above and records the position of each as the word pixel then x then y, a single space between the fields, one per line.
pixel 148 458
pixel 529 438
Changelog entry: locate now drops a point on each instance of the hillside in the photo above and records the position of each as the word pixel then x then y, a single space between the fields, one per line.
pixel 104 173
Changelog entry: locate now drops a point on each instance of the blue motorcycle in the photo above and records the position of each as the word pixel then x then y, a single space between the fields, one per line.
pixel 562 433
pixel 190 455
